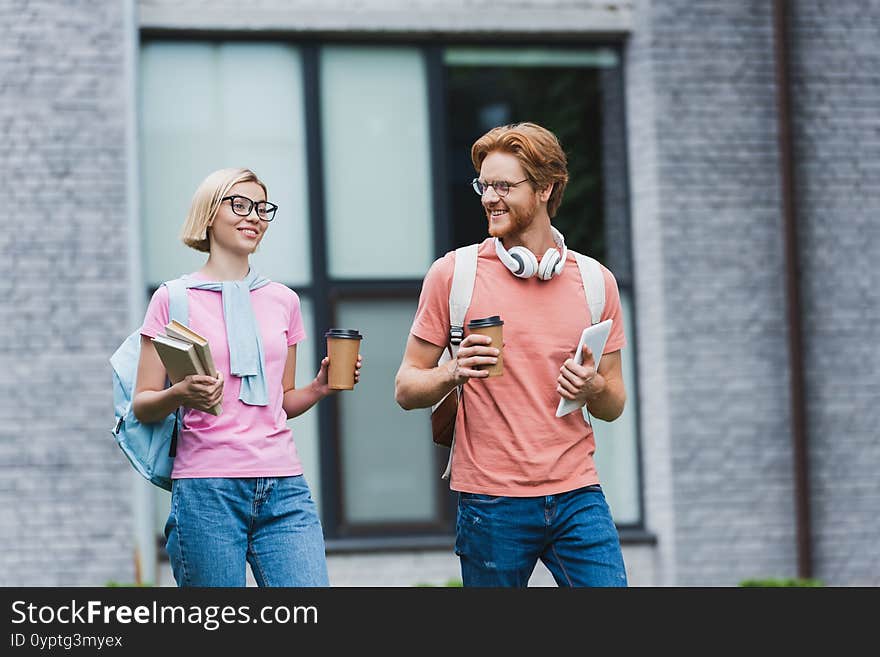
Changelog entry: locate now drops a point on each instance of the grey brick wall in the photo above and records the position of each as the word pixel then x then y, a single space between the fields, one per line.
pixel 64 497
pixel 390 16
pixel 709 272
pixel 836 96
pixel 649 273
pixel 708 259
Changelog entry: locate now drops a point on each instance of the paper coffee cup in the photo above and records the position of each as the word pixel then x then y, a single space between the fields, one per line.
pixel 490 326
pixel 342 348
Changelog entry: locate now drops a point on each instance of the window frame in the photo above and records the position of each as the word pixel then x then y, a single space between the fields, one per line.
pixel 341 536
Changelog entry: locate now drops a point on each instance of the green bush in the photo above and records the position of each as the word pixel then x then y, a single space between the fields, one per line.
pixel 450 582
pixel 781 581
pixel 112 584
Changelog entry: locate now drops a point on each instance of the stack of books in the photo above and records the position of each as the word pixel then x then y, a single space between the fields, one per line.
pixel 185 352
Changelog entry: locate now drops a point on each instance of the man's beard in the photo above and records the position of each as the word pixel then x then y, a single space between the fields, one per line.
pixel 519 218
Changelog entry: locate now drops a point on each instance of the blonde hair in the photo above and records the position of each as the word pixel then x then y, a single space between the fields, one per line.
pixel 206 201
pixel 538 151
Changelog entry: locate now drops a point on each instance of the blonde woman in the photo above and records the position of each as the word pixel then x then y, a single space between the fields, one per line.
pixel 238 491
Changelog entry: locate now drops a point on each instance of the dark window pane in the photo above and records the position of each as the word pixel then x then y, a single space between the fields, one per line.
pixel 564 100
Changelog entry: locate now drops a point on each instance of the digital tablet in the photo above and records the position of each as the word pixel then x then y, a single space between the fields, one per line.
pixel 594 337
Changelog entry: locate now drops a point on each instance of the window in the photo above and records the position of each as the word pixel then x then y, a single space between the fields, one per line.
pixel 387 453
pixel 194 120
pixel 365 148
pixel 376 152
pixel 576 94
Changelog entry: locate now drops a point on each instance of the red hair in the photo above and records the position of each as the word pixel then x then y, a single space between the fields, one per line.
pixel 538 151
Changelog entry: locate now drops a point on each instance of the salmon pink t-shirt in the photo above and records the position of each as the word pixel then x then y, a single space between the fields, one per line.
pixel 508 440
pixel 244 440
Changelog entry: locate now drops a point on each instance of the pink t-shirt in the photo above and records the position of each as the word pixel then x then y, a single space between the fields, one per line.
pixel 508 440
pixel 243 441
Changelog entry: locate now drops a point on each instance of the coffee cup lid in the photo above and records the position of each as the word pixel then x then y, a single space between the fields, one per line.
pixel 494 320
pixel 350 334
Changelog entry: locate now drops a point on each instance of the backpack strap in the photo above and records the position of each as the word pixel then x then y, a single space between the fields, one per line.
pixel 460 293
pixel 178 308
pixel 594 290
pixel 594 285
pixel 178 304
pixel 463 277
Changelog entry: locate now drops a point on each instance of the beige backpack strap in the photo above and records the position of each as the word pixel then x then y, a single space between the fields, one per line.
pixel 463 277
pixel 594 290
pixel 594 285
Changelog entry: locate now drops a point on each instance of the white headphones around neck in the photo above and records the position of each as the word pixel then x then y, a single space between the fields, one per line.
pixel 523 263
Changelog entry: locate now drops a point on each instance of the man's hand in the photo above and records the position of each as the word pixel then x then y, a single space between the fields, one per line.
pixel 580 383
pixel 473 351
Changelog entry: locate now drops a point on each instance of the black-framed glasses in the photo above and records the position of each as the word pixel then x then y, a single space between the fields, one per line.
pixel 242 206
pixel 501 187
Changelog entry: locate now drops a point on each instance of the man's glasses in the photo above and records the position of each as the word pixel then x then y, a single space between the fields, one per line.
pixel 501 187
pixel 242 206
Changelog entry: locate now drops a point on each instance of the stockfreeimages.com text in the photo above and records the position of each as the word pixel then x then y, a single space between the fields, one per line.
pixel 211 617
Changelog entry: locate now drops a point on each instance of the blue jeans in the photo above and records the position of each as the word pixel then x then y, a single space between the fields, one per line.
pixel 500 539
pixel 216 524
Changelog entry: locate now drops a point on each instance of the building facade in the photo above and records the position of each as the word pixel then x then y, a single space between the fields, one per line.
pixel 730 158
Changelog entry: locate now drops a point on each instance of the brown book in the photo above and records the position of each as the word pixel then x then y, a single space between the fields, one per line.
pixel 183 332
pixel 180 360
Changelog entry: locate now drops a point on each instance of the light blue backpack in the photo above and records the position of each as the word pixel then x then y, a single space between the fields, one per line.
pixel 149 447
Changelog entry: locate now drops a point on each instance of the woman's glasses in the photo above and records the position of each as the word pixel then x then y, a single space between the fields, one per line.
pixel 242 206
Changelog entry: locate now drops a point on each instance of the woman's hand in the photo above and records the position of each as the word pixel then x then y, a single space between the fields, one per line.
pixel 321 380
pixel 200 392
